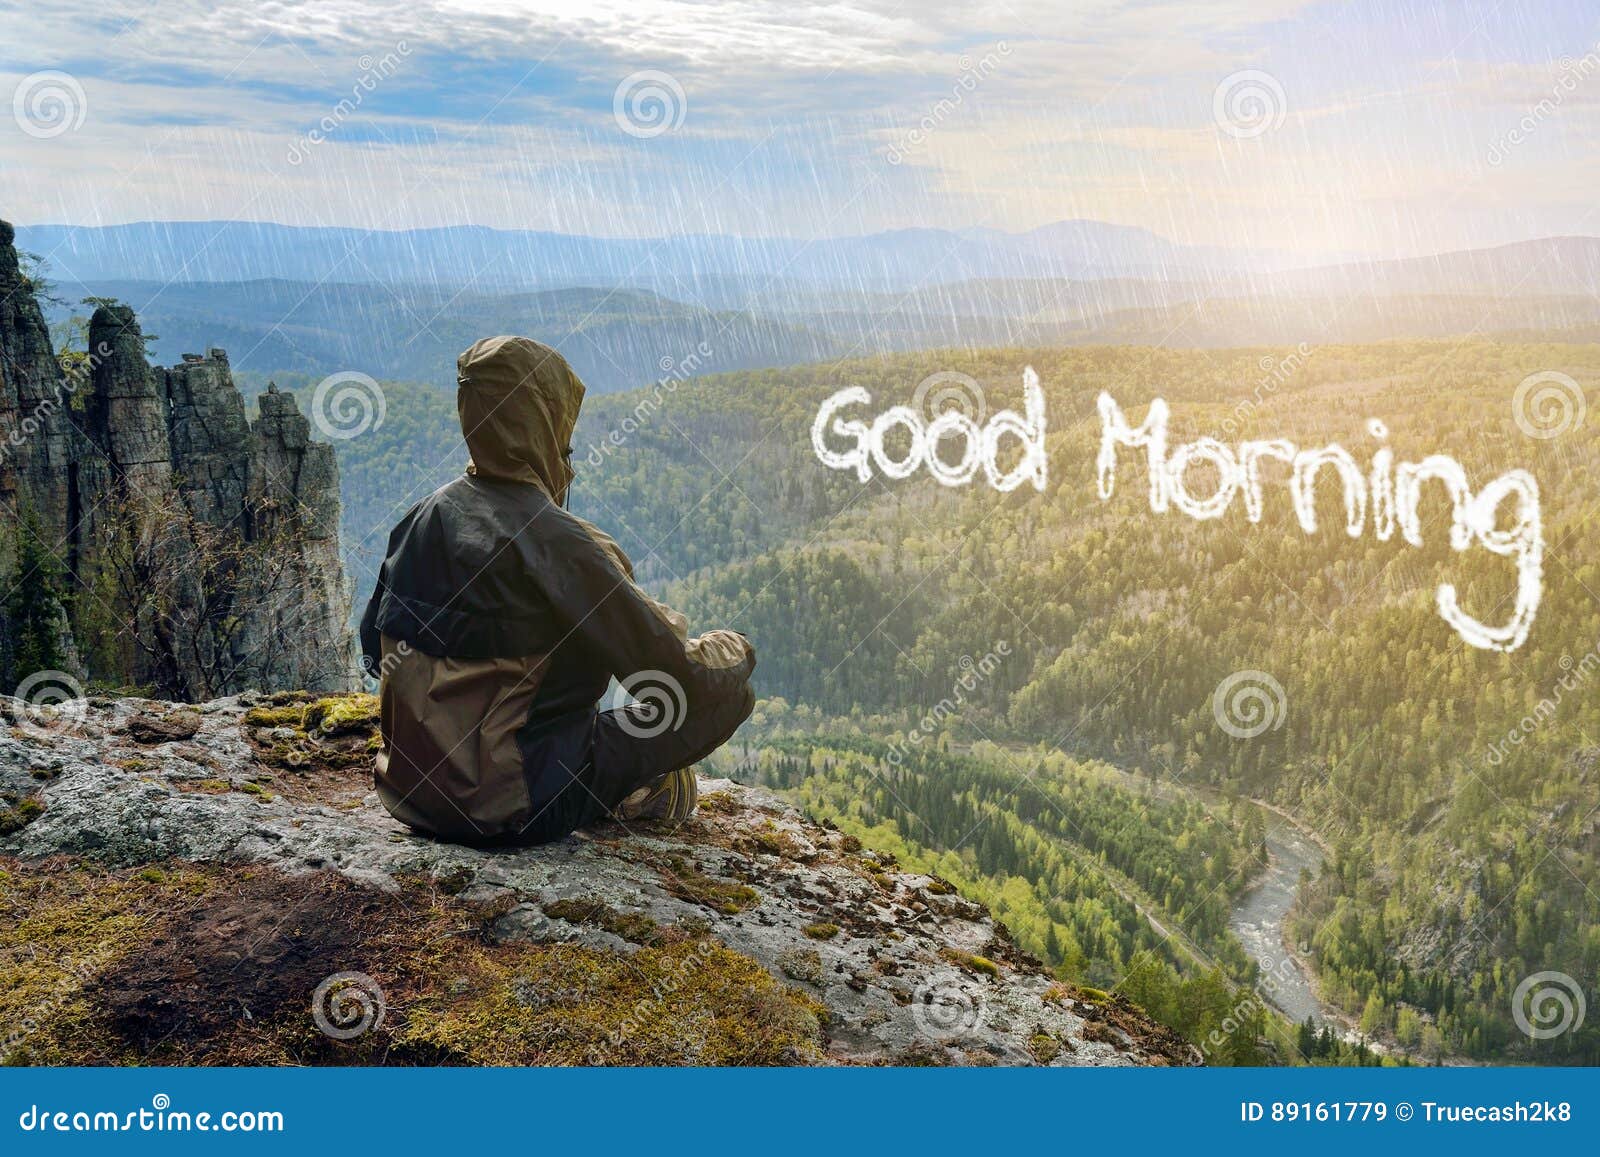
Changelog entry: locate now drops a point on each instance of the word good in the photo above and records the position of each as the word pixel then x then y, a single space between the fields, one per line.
pixel 979 446
pixel 1391 490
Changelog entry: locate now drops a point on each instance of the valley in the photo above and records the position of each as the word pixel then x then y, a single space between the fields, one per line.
pixel 868 601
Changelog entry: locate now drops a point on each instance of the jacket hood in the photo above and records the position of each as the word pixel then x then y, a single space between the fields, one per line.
pixel 518 401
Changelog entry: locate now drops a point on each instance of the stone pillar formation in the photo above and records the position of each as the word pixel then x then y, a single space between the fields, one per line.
pixel 79 449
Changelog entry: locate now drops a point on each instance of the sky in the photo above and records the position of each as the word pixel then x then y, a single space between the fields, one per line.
pixel 1308 129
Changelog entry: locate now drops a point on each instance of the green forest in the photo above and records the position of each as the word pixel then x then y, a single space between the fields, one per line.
pixel 1461 862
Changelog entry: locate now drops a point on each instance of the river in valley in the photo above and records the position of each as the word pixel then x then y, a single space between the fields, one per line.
pixel 1258 919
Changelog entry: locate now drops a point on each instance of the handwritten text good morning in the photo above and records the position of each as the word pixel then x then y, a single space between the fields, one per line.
pixel 1385 492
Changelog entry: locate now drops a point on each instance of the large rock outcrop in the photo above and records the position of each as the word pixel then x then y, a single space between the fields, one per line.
pixel 219 885
pixel 199 550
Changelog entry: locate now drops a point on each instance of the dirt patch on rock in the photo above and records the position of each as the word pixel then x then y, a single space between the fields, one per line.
pixel 251 953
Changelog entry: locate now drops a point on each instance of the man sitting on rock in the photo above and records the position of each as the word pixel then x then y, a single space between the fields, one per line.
pixel 498 621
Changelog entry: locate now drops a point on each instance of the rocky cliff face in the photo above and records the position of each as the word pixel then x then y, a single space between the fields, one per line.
pixel 198 551
pixel 220 885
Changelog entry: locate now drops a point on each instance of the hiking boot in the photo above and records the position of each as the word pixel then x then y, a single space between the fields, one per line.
pixel 672 798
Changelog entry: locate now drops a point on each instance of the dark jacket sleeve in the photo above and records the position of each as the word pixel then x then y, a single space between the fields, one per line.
pixel 371 639
pixel 611 620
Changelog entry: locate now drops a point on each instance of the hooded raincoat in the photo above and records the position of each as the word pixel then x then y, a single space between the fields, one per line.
pixel 499 619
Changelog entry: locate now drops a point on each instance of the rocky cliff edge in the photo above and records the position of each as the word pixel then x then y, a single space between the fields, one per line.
pixel 219 885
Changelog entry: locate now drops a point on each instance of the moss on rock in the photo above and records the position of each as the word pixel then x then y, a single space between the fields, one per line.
pixel 187 964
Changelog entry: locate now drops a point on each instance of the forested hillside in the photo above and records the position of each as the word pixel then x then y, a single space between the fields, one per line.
pixel 1463 862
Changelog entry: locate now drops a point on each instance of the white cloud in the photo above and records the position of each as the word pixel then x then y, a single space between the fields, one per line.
pixel 502 116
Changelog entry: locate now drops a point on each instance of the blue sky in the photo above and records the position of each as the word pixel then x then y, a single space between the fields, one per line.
pixel 1312 129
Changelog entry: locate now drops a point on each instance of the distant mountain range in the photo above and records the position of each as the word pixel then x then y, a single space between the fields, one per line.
pixel 718 270
pixel 626 312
